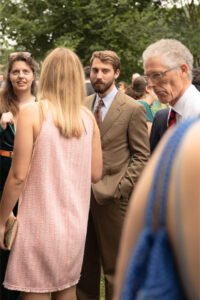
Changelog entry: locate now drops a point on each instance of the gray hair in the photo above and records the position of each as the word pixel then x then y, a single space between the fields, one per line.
pixel 172 51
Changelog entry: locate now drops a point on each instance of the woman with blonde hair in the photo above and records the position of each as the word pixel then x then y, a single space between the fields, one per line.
pixel 57 154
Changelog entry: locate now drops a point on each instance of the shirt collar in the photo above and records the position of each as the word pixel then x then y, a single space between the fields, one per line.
pixel 180 104
pixel 108 98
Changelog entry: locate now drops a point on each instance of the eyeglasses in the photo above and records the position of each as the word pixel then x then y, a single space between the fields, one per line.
pixel 158 76
pixel 15 54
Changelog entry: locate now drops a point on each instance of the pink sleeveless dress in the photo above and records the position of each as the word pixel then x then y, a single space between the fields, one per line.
pixel 53 212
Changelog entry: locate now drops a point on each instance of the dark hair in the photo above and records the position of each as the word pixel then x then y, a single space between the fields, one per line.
pixel 129 91
pixel 87 71
pixel 122 83
pixel 138 86
pixel 107 56
pixel 8 96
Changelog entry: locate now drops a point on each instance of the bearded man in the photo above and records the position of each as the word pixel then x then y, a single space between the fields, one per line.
pixel 125 145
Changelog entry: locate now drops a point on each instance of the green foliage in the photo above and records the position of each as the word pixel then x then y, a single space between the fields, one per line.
pixel 125 26
pixel 184 23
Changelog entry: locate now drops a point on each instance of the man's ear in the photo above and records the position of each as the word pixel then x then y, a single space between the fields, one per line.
pixel 147 89
pixel 117 72
pixel 184 68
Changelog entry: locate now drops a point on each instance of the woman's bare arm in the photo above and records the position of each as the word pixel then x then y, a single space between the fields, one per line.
pixel 186 237
pixel 23 147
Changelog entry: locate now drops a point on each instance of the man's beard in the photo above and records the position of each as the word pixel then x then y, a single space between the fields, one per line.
pixel 101 87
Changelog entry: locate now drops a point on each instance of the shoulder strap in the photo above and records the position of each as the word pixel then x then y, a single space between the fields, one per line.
pixel 159 189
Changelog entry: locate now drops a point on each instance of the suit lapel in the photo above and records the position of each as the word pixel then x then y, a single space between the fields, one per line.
pixel 112 114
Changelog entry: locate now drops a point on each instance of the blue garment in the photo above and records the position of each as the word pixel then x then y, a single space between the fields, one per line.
pixel 152 273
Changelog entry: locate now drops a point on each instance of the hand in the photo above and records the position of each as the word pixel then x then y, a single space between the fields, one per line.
pixel 6 118
pixel 3 229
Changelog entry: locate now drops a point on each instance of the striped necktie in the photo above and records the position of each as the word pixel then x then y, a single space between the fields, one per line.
pixel 98 112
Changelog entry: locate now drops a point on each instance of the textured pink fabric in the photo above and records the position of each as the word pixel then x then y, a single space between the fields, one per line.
pixel 53 213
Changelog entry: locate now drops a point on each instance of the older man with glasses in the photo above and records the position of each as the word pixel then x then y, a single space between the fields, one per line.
pixel 168 68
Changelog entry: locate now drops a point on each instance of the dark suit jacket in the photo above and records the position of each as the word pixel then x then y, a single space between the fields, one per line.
pixel 125 145
pixel 159 127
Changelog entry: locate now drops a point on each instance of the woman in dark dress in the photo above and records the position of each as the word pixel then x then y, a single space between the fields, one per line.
pixel 19 89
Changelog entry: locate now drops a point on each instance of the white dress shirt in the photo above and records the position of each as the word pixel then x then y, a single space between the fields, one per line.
pixel 107 101
pixel 188 105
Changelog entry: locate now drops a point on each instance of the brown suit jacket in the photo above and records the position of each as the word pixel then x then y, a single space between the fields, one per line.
pixel 125 146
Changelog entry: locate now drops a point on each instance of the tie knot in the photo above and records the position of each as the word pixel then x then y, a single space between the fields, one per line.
pixel 172 118
pixel 99 104
pixel 172 113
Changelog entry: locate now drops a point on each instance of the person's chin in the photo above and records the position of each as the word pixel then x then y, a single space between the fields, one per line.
pixel 98 89
pixel 164 101
pixel 21 86
pixel 163 98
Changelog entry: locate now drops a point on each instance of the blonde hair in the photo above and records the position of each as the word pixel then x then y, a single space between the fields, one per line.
pixel 62 84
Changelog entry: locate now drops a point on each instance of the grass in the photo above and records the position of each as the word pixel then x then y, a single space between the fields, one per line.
pixel 102 289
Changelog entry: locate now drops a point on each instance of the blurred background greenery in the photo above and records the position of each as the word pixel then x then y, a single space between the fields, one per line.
pixel 125 26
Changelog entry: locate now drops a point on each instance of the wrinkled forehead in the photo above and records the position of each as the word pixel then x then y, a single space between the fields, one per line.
pixel 154 64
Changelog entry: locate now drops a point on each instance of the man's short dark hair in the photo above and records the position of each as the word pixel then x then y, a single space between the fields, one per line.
pixel 107 56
